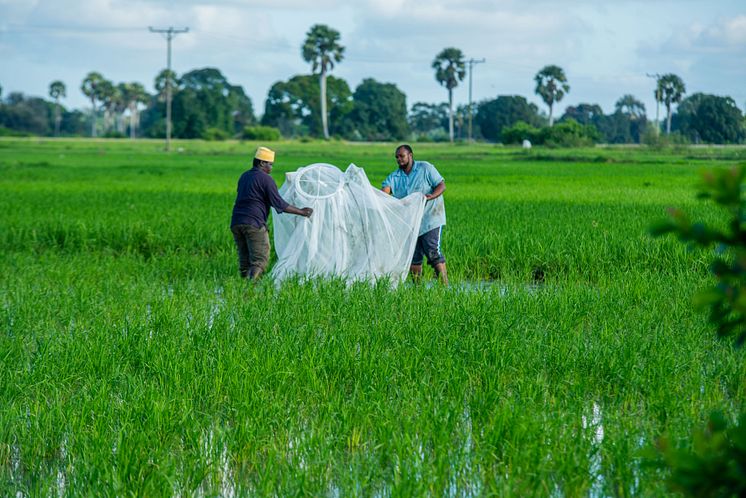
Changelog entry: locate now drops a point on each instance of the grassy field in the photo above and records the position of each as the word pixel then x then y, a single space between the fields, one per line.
pixel 135 362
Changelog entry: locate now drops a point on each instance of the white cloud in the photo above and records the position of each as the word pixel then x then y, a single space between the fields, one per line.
pixel 604 47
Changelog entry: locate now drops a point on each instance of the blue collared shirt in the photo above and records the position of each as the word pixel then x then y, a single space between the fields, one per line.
pixel 422 178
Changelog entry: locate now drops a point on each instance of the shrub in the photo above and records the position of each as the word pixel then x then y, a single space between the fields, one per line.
pixel 214 134
pixel 660 140
pixel 570 133
pixel 7 132
pixel 519 132
pixel 262 133
pixel 436 135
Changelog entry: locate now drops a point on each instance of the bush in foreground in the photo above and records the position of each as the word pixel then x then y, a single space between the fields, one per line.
pixel 714 464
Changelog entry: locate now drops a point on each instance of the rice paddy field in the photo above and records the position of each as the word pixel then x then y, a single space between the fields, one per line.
pixel 135 362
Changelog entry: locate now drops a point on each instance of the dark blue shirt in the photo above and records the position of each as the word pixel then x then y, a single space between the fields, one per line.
pixel 256 192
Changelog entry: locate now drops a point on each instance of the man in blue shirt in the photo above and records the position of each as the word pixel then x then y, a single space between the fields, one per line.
pixel 256 192
pixel 421 176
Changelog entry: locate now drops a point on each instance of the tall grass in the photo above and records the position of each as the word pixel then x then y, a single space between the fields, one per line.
pixel 134 361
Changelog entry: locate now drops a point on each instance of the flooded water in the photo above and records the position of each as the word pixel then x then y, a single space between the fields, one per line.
pixel 464 479
pixel 592 424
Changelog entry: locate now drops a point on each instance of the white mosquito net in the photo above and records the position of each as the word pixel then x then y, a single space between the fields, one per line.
pixel 356 231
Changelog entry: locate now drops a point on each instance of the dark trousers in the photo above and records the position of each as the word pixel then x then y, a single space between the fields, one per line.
pixel 428 245
pixel 252 244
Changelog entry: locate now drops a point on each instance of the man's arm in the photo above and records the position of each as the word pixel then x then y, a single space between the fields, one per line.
pixel 437 191
pixel 280 204
pixel 386 190
pixel 305 212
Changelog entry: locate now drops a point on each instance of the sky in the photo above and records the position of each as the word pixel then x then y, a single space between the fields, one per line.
pixel 607 48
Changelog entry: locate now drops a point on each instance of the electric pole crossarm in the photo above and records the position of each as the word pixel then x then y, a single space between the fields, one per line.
pixel 170 33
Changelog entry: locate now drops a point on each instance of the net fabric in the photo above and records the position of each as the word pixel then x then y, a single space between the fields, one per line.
pixel 356 231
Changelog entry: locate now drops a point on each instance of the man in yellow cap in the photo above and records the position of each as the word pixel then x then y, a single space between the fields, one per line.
pixel 256 192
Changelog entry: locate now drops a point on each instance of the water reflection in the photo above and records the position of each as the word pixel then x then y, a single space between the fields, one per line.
pixel 593 426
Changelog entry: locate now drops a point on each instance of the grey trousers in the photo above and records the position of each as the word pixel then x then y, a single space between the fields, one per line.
pixel 253 246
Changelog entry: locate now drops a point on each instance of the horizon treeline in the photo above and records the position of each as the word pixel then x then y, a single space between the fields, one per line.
pixel 205 105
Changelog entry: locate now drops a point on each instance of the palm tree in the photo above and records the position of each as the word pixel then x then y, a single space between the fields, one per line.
pixel 634 112
pixel 90 89
pixel 450 68
pixel 57 90
pixel 670 90
pixel 629 105
pixel 133 94
pixel 322 50
pixel 551 86
pixel 121 104
pixel 107 94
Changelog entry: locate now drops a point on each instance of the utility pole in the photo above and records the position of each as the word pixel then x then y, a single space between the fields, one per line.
pixel 471 63
pixel 170 33
pixel 657 102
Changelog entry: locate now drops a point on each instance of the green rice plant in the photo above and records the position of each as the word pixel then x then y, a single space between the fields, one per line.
pixel 135 361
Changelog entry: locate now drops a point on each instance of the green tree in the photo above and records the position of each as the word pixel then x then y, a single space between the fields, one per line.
pixel 27 115
pixel 429 120
pixel 583 113
pixel 57 91
pixel 379 111
pixel 152 121
pixel 162 81
pixel 613 128
pixel 293 106
pixel 205 99
pixel 504 111
pixel 322 49
pixel 709 118
pixel 551 86
pixel 670 90
pixel 460 118
pixel 90 88
pixel 450 68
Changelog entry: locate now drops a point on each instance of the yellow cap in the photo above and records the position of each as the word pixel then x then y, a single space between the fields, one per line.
pixel 265 154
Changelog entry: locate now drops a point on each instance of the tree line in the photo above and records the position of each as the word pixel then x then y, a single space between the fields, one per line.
pixel 206 105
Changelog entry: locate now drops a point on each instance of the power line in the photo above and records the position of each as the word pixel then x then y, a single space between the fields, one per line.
pixel 170 33
pixel 472 62
pixel 21 28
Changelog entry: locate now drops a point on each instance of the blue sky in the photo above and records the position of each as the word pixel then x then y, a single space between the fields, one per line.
pixel 606 47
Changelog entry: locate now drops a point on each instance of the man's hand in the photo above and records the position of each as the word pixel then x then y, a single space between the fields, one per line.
pixel 305 212
pixel 437 191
